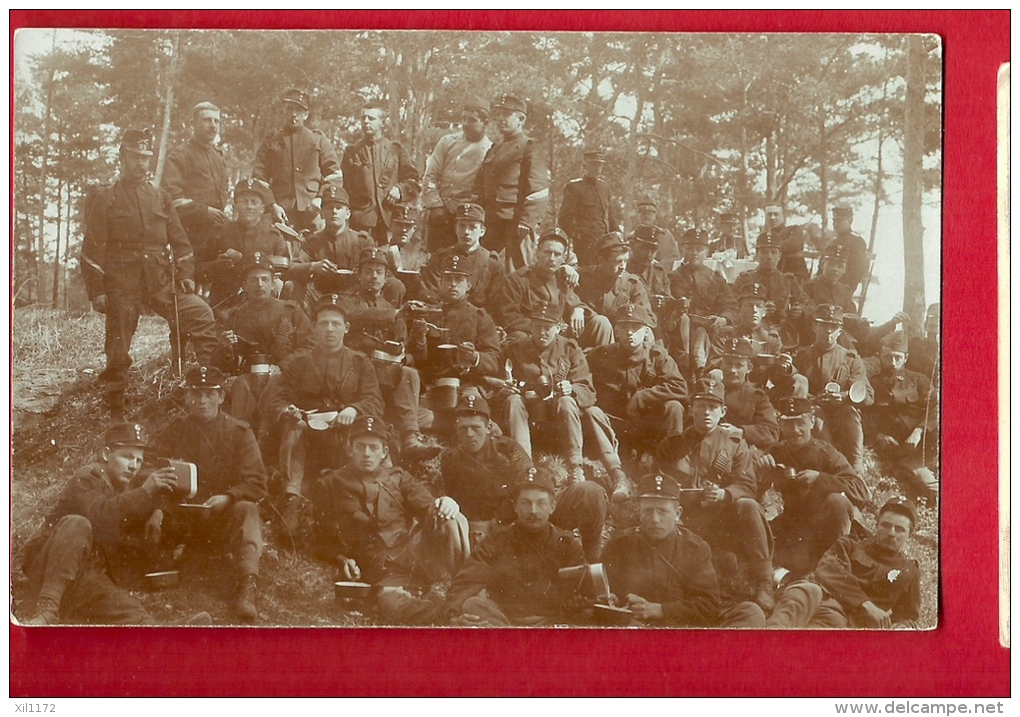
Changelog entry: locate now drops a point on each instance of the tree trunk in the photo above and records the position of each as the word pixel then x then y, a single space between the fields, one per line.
pixel 55 299
pixel 168 107
pixel 40 248
pixel 913 153
pixel 878 189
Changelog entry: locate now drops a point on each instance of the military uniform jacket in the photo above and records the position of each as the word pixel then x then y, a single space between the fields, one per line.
pixel 649 382
pixel 196 178
pixel 836 365
pixel 904 400
pixel 676 573
pixel 791 241
pixel 821 291
pixel 587 211
pixel 225 451
pixel 370 172
pixel 330 382
pixel 373 320
pixel 655 277
pixel 668 252
pixel 708 291
pixel 784 290
pixel 835 476
pixel 523 291
pixel 748 407
pixel 513 182
pixel 855 571
pixel 126 235
pixel 519 571
pixel 277 328
pixel 484 266
pixel 367 518
pixel 466 323
pixel 479 482
pixel 720 458
pixel 451 169
pixel 605 295
pixel 294 164
pixel 562 360
pixel 224 274
pixel 857 258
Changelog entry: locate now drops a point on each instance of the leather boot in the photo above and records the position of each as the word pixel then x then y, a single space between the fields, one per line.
pixel 47 612
pixel 622 487
pixel 244 599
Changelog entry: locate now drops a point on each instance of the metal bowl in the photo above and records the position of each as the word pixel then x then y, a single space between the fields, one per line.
pixel 346 590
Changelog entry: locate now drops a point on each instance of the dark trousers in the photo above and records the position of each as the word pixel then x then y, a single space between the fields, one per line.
pixel 503 235
pixel 738 527
pixel 802 539
pixel 583 506
pixel 803 604
pixel 237 529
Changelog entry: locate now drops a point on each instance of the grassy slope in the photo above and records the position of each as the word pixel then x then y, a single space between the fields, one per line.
pixel 61 355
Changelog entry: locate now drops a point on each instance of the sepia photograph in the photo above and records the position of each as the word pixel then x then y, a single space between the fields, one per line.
pixel 476 329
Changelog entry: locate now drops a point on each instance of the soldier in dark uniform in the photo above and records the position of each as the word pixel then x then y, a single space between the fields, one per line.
pixel 74 562
pixel 748 409
pixel 483 265
pixel 196 178
pixel 644 264
pixel 221 265
pixel 513 186
pixel 378 524
pixel 822 494
pixel 716 467
pixel 295 161
pixel 790 240
pixel 126 266
pixel 512 577
pixel 407 244
pixel 729 236
pixel 668 252
pixel 787 303
pixel 587 211
pixel 232 481
pixel 856 247
pixel 860 583
pixel 607 286
pixel 924 354
pixel 827 362
pixel 377 174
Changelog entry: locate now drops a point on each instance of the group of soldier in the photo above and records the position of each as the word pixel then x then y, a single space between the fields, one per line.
pixel 330 340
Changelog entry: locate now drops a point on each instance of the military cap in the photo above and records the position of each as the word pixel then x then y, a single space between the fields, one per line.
pixel 257 262
pixel 297 97
pixel 794 407
pixel 376 255
pixel 728 217
pixel 633 313
pixel 509 102
pixel 332 193
pixel 902 506
pixel 738 346
pixel 139 141
pixel 405 214
pixel 934 310
pixel 126 434
pixel 829 314
pixel 842 210
pixel 204 377
pixel 644 235
pixel 836 251
pixel 330 302
pixel 647 202
pixel 452 265
pixel 594 155
pixel 768 241
pixel 753 291
pixel 709 388
pixel 472 404
pixel 470 212
pixel 656 485
pixel 477 104
pixel 256 187
pixel 368 426
pixel 537 478
pixel 554 234
pixel 896 341
pixel 773 205
pixel 611 241
pixel 695 236
pixel 374 105
pixel 547 311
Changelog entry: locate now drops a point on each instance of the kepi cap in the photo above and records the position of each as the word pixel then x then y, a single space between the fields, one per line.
pixel 903 506
pixel 546 311
pixel 510 102
pixel 331 193
pixel 297 97
pixel 126 434
pixel 368 426
pixel 470 212
pixel 537 478
pixel 794 407
pixel 139 141
pixel 711 389
pixel 635 314
pixel 738 346
pixel 656 485
pixel 829 314
pixel 256 187
pixel 405 214
pixel 472 404
pixel 695 236
pixel 611 241
pixel 204 377
pixel 330 302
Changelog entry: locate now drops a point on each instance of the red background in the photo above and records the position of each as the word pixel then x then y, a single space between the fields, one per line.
pixel 962 657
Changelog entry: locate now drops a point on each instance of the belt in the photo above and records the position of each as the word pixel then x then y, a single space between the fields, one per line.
pixel 136 247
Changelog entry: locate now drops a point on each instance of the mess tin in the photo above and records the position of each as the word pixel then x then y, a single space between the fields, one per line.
pixel 163 579
pixel 587 580
pixel 196 509
pixel 349 590
pixel 611 615
pixel 336 283
pixel 858 391
pixel 279 264
pixel 185 477
pixel 444 393
pixel 410 279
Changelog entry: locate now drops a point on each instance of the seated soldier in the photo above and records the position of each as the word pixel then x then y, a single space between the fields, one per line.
pixel 512 577
pixel 74 563
pixel 478 469
pixel 716 471
pixel 608 286
pixel 925 351
pixel 329 378
pixel 483 265
pixel 663 573
pixel 712 306
pixel 548 282
pixel 259 335
pixel 377 331
pixel 867 583
pixel 821 492
pixel 905 417
pixel 644 264
pixel 222 268
pixel 557 390
pixel 831 371
pixel 786 302
pixel 638 384
pixel 748 409
pixel 380 525
pixel 231 482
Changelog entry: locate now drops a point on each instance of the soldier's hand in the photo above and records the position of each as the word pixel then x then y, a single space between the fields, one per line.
pixel 292 413
pixel 766 461
pixel 577 320
pixel 324 266
pixel 576 603
pixel 187 286
pixel 807 477
pixel 564 388
pixel 279 214
pixel 232 255
pixel 351 569
pixel 154 527
pixel 466 354
pixel 419 330
pixel 718 322
pixel 394 194
pixel 231 337
pixel 447 508
pixel 216 215
pixel 346 417
pixel 876 616
pixel 914 438
pixel 99 304
pixel 218 502
pixel 523 232
pixel 642 609
pixel 713 495
pixel 570 275
pixel 900 317
pixel 161 480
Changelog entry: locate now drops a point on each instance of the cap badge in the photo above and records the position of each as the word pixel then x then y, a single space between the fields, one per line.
pixel 138 432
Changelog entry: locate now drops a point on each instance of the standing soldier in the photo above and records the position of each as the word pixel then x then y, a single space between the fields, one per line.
pixel 588 212
pixel 378 174
pixel 790 240
pixel 294 161
pixel 856 247
pixel 668 252
pixel 450 172
pixel 195 177
pixel 513 186
pixel 126 266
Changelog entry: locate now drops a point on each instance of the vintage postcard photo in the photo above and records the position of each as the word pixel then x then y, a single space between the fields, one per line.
pixel 476 329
